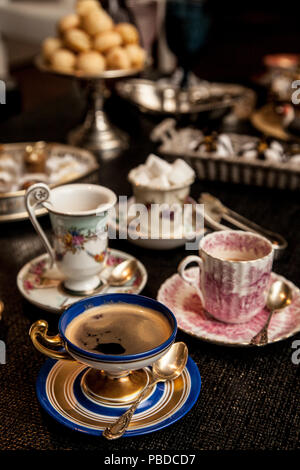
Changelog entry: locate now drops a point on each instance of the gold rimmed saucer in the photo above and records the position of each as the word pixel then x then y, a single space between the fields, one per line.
pixel 60 393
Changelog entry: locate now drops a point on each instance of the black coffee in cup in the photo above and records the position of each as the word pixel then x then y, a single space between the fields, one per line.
pixel 120 329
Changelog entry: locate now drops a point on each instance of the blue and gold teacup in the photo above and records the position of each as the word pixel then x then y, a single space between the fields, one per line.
pixel 109 377
pixel 79 217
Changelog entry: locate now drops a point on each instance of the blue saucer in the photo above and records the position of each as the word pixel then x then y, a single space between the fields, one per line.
pixel 60 394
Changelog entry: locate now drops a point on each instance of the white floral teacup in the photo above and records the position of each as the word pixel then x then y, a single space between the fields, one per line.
pixel 79 216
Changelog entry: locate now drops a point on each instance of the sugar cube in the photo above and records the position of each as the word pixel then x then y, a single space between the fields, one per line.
pixel 161 182
pixel 157 166
pixel 139 174
pixel 142 178
pixel 181 172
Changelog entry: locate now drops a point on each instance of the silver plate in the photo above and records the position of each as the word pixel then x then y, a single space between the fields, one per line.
pixel 160 98
pixel 12 207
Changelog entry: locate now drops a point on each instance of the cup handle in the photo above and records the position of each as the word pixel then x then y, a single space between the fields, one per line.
pixel 41 193
pixel 39 330
pixel 181 270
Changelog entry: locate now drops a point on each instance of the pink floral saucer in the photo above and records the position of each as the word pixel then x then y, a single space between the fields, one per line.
pixel 43 288
pixel 186 305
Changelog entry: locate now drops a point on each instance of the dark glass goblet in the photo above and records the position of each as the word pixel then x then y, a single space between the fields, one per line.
pixel 187 25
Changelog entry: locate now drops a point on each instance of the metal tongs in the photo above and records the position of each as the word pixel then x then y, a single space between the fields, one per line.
pixel 215 211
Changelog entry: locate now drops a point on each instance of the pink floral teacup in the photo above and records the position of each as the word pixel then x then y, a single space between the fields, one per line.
pixel 79 217
pixel 234 276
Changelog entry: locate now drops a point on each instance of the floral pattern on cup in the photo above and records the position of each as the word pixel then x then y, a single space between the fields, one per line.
pixel 74 240
pixel 79 217
pixel 98 257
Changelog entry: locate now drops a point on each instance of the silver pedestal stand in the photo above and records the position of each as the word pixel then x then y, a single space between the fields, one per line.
pixel 96 133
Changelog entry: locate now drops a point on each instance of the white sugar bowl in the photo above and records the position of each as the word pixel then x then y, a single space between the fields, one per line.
pixel 159 182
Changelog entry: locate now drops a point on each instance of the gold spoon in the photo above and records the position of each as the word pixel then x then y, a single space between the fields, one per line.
pixel 279 297
pixel 168 367
pixel 120 275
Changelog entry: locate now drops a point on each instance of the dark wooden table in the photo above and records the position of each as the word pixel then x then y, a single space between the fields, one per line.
pixel 249 398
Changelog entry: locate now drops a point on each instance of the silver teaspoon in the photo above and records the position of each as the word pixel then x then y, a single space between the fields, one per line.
pixel 279 297
pixel 120 275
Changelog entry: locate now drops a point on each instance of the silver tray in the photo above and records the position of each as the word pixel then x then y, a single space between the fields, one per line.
pixel 232 169
pixel 12 207
pixel 160 98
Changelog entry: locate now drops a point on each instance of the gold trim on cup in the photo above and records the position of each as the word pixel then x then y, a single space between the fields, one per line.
pixel 39 330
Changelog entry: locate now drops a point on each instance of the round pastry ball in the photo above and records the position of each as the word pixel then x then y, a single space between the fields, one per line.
pixel 105 41
pixel 85 6
pixel 97 21
pixel 128 32
pixel 117 58
pixel 136 54
pixel 77 40
pixel 49 46
pixel 68 22
pixel 63 60
pixel 90 63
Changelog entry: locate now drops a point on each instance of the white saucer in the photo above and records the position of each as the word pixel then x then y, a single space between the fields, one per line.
pixel 141 239
pixel 47 293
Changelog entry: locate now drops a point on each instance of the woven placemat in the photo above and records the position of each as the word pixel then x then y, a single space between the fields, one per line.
pixel 249 398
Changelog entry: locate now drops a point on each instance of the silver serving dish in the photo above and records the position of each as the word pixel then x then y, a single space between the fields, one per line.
pixel 183 143
pixel 161 98
pixel 12 207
